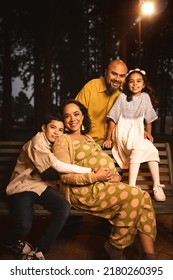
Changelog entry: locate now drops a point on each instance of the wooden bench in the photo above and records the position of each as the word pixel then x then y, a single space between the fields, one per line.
pixel 9 150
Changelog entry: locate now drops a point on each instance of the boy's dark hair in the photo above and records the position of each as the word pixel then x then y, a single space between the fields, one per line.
pixel 57 117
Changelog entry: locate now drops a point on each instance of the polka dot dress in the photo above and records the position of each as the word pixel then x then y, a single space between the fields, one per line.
pixel 127 208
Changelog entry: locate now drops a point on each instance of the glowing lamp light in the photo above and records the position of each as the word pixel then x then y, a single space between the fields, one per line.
pixel 147 8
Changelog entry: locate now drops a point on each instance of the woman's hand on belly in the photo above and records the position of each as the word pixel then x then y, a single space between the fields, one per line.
pixel 115 179
pixel 104 174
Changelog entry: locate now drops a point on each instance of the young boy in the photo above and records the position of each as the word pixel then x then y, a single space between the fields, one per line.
pixel 28 186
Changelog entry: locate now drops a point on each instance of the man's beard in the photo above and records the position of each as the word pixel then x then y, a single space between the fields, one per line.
pixel 110 90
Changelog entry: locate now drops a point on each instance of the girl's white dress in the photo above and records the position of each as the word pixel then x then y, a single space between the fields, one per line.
pixel 130 117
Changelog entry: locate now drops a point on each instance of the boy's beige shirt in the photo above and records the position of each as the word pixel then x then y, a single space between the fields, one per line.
pixel 35 157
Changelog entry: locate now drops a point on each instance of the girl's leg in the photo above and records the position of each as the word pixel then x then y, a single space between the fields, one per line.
pixel 157 187
pixel 154 169
pixel 133 173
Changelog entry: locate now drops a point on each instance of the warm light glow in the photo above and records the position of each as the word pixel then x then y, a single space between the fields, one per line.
pixel 147 8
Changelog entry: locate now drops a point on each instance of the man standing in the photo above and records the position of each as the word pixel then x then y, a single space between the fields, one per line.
pixel 98 96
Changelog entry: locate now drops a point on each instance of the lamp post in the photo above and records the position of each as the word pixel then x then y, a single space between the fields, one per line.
pixel 146 8
pixel 139 42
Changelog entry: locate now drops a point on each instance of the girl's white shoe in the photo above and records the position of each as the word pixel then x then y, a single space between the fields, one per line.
pixel 159 193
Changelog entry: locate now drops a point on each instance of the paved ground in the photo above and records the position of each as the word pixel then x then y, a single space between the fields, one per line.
pixel 83 239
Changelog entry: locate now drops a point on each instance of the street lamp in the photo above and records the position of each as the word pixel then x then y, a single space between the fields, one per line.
pixel 146 8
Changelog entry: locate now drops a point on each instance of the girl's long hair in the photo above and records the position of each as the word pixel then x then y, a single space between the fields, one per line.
pixel 148 87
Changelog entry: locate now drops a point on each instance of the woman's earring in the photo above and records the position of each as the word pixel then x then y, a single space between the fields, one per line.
pixel 82 128
pixel 66 129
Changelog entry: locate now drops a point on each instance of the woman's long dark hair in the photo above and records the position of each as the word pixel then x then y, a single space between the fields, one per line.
pixel 148 88
pixel 83 109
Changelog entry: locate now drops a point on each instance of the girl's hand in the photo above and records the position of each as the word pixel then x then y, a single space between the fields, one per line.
pixel 148 136
pixel 107 144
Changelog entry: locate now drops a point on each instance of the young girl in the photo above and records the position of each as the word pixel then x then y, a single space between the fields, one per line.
pixel 27 187
pixel 131 116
